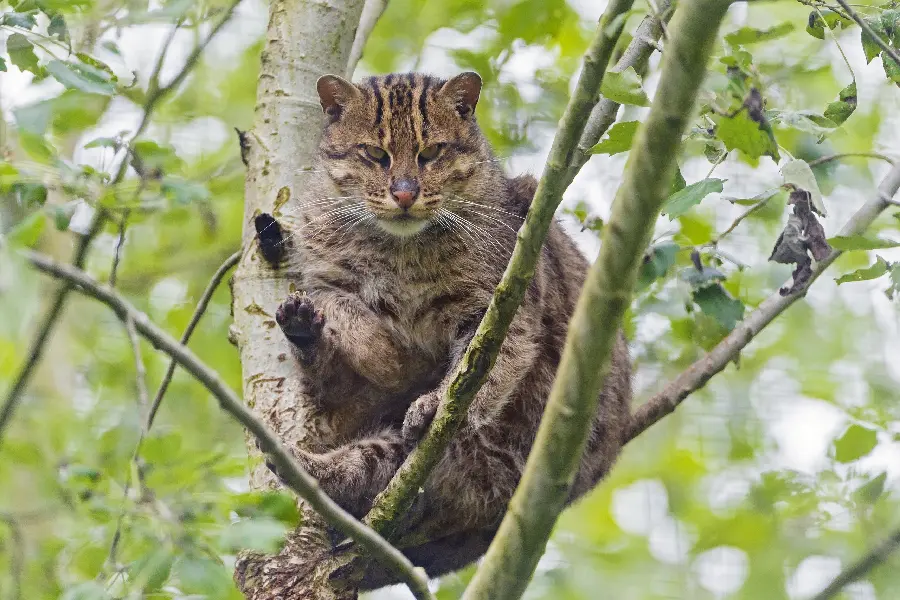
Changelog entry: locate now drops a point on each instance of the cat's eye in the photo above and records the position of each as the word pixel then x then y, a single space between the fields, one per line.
pixel 429 153
pixel 375 153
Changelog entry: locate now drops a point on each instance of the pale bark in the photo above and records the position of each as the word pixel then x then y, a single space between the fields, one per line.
pixel 305 39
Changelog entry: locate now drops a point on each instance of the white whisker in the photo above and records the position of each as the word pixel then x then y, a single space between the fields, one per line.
pixel 458 199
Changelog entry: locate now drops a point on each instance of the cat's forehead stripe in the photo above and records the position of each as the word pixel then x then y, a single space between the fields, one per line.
pixel 401 108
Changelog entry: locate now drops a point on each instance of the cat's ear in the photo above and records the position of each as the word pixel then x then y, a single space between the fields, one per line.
pixel 463 91
pixel 334 94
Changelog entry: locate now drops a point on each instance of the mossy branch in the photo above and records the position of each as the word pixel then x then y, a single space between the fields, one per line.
pixel 482 352
pixel 556 457
pixel 291 472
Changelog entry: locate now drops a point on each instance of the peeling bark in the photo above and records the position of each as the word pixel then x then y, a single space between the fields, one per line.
pixel 305 39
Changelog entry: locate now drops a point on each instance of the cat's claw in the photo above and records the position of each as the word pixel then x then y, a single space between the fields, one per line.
pixel 301 323
pixel 418 418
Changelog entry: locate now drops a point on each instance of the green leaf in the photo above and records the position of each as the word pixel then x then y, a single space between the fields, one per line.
pixel 798 173
pixel 18 19
pixel 150 572
pixel 21 53
pixel 103 142
pixel 657 263
pixel 870 491
pixel 861 242
pixel 203 576
pixel 183 191
pixel 278 505
pixel 36 147
pixel 878 269
pixel 716 302
pixel 62 215
pixel 678 182
pixel 840 110
pixel 683 200
pixel 618 139
pixel 152 160
pixel 854 443
pixel 28 194
pixel 743 133
pixel 751 35
pixel 29 230
pixel 816 25
pixel 89 590
pixel 2 64
pixel 894 288
pixel 870 48
pixel 57 27
pixel 263 534
pixel 82 77
pixel 624 88
pixel 701 278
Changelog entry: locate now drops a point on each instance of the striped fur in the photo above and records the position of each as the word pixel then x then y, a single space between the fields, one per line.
pixel 401 293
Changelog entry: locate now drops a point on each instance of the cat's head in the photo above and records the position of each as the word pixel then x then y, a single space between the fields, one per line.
pixel 406 147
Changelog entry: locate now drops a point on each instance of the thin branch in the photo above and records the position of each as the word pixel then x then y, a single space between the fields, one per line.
pixel 295 477
pixel 559 445
pixel 696 376
pixel 642 45
pixel 473 369
pixel 140 371
pixel 870 32
pixel 120 243
pixel 862 567
pixel 150 415
pixel 737 221
pixel 217 278
pixel 826 159
pixel 36 350
pixel 371 12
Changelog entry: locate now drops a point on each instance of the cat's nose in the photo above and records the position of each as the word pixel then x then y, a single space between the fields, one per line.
pixel 405 191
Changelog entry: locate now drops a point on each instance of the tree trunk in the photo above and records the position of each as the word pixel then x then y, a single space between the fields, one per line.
pixel 305 39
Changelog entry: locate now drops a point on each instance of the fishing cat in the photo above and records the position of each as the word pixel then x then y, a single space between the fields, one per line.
pixel 408 231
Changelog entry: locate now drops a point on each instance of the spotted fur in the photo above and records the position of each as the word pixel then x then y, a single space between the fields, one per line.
pixel 398 292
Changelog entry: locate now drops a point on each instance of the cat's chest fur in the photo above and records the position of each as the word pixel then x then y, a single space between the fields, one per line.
pixel 418 296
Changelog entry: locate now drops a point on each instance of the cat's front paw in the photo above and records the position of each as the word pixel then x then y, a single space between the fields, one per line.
pixel 418 418
pixel 298 318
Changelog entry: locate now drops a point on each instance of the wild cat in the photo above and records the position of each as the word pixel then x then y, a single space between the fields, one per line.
pixel 410 229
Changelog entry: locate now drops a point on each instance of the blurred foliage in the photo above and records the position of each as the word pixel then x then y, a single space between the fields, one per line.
pixel 784 468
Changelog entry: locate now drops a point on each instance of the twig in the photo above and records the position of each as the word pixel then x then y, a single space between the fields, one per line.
pixel 737 221
pixel 871 33
pixel 288 468
pixel 217 277
pixel 826 159
pixel 371 12
pixel 821 3
pixel 696 376
pixel 120 242
pixel 862 567
pixel 36 349
pixel 140 371
pixel 559 445
pixel 150 415
pixel 473 369
pixel 604 113
pixel 16 551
